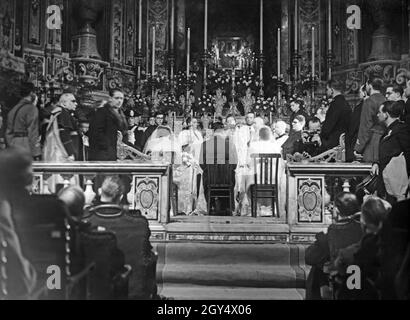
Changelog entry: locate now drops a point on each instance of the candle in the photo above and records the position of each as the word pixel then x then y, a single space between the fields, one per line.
pixel 329 20
pixel 270 117
pixel 188 53
pixel 261 27
pixel 206 26
pixel 296 24
pixel 140 25
pixel 279 39
pixel 153 51
pixel 313 52
pixel 172 24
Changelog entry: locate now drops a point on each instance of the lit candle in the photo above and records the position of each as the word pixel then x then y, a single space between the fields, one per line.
pixel 153 51
pixel 329 20
pixel 206 26
pixel 279 53
pixel 140 25
pixel 172 24
pixel 313 52
pixel 188 52
pixel 261 27
pixel 296 24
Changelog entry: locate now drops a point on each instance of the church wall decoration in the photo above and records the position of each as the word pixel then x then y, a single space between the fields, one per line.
pixel 157 16
pixel 130 35
pixel 146 199
pixel 7 25
pixel 35 21
pixel 117 31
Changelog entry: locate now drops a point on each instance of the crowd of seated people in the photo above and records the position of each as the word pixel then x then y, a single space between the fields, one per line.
pixel 33 226
pixel 374 240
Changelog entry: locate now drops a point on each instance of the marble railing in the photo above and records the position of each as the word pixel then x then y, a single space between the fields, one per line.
pixel 313 186
pixel 147 184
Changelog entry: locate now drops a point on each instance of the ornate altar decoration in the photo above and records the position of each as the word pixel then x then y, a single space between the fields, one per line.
pixel 264 106
pixel 205 104
pixel 247 80
pixel 219 79
pixel 147 196
pixel 181 83
pixel 310 199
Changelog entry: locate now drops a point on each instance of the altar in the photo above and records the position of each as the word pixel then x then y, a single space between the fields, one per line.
pixel 310 191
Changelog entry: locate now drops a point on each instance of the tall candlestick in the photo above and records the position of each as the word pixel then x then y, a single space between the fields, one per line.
pixel 140 25
pixel 206 26
pixel 313 52
pixel 279 39
pixel 261 27
pixel 188 52
pixel 296 25
pixel 329 26
pixel 172 24
pixel 153 51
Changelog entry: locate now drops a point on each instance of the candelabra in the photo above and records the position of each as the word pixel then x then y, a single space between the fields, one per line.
pixel 329 64
pixel 261 62
pixel 138 66
pixel 205 63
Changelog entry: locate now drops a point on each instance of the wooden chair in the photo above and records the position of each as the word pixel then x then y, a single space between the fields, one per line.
pixel 109 279
pixel 265 186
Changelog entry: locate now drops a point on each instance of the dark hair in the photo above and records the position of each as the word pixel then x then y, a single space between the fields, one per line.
pixel 300 118
pixel 376 83
pixel 218 126
pixel 112 91
pixel 335 84
pixel 347 204
pixel 398 89
pixel 374 211
pixel 188 121
pixel 27 88
pixel 393 108
pixel 14 171
pixel 314 120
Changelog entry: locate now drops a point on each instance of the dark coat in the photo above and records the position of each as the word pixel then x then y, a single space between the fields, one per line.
pixel 395 141
pixel 353 131
pixel 301 112
pixel 104 125
pixel 336 122
pixel 69 136
pixel 291 144
pixel 370 130
pixel 406 113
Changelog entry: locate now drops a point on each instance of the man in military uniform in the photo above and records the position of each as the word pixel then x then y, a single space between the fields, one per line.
pixel 135 134
pixel 23 124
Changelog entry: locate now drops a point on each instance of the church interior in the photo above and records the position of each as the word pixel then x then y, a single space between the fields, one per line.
pixel 202 232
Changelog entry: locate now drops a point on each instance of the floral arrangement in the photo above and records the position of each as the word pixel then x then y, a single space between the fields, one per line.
pixel 170 103
pixel 181 80
pixel 219 79
pixel 305 83
pixel 248 80
pixel 205 104
pixel 263 105
pixel 159 81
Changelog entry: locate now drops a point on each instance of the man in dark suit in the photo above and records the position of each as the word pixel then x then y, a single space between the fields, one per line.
pixel 218 160
pixel 395 141
pixel 297 107
pixel 104 125
pixel 370 130
pixel 337 117
pixel 354 124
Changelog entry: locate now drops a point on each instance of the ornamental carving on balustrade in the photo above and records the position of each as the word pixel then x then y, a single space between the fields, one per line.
pixel 158 17
pixel 146 196
pixel 310 200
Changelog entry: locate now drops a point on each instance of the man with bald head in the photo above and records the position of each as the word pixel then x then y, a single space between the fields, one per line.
pixel 67 124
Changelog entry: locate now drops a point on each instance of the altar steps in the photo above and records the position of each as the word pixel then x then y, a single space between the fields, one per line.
pixel 215 271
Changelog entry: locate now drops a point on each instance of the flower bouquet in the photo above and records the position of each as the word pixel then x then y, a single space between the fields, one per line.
pixel 264 105
pixel 205 104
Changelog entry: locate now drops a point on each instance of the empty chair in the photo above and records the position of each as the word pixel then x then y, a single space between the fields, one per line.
pixel 266 181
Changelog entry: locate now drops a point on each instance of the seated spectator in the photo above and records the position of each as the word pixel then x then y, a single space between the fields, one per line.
pixel 266 144
pixel 344 232
pixel 295 136
pixel 279 129
pixel 378 255
pixel 133 233
pixel 74 199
